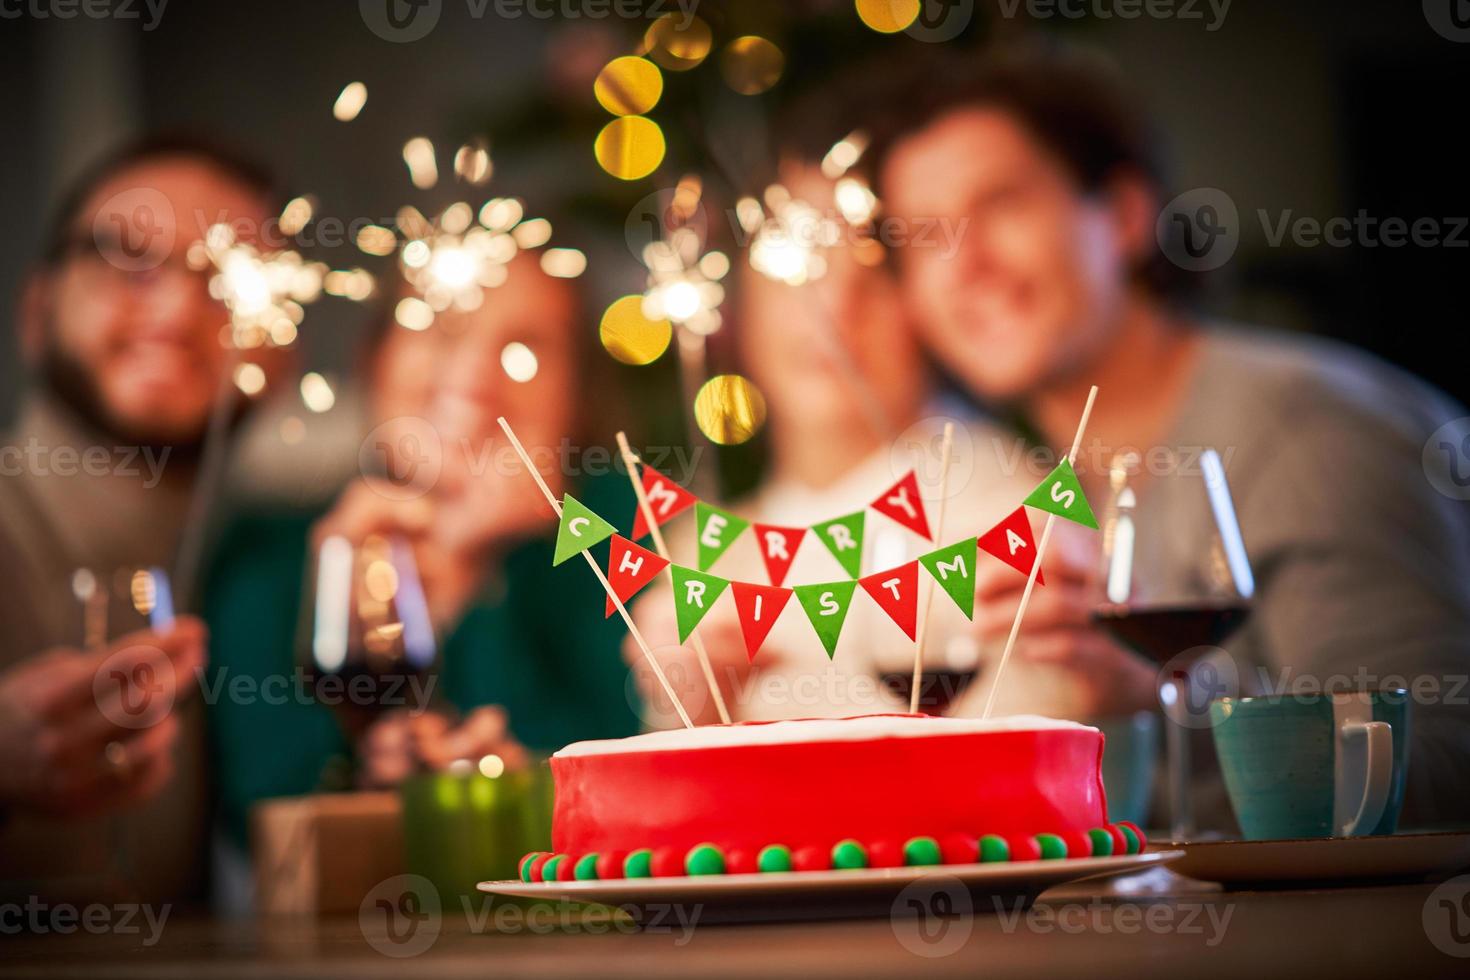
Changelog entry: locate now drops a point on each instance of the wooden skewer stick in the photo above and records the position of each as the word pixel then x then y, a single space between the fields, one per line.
pixel 1036 565
pixel 631 461
pixel 946 451
pixel 597 570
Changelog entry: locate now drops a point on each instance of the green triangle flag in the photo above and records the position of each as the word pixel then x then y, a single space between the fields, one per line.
pixel 579 530
pixel 694 593
pixel 1061 494
pixel 717 530
pixel 826 606
pixel 954 569
pixel 843 536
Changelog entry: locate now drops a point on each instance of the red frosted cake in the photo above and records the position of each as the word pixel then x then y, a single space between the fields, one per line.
pixel 821 794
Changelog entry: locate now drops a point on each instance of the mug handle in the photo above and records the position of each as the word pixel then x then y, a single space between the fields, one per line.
pixel 1377 738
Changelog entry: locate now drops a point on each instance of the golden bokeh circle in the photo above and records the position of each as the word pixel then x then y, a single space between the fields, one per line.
pixel 887 16
pixel 628 86
pixel 751 64
pixel 676 43
pixel 631 336
pixel 729 409
pixel 630 147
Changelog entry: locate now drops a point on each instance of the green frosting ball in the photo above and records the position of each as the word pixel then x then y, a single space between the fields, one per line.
pixel 1052 846
pixel 921 850
pixel 774 857
pixel 551 867
pixel 1102 842
pixel 586 869
pixel 994 848
pixel 1130 837
pixel 849 854
pixel 526 863
pixel 704 859
pixel 638 864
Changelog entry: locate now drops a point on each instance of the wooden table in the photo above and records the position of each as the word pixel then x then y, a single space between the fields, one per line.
pixel 1154 924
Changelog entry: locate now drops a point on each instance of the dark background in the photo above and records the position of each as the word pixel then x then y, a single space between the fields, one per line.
pixel 1319 107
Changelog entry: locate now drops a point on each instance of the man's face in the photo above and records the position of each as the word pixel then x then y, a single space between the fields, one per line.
pixel 123 313
pixel 1033 290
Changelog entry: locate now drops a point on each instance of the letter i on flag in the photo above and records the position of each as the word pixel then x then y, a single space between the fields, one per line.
pixel 665 498
pixel 717 530
pixel 1061 494
pixel 896 591
pixel 759 606
pixel 1012 542
pixel 630 567
pixel 778 548
pixel 579 530
pixel 902 503
pixel 694 593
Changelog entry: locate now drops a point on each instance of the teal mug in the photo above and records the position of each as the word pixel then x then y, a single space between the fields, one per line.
pixel 1314 765
pixel 1130 754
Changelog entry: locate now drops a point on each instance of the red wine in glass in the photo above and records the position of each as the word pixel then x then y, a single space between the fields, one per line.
pixel 938 689
pixel 1162 632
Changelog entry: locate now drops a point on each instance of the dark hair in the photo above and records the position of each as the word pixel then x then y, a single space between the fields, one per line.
pixel 1072 101
pixel 234 164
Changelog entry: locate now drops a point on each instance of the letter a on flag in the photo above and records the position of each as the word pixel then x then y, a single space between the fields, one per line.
pixel 1061 494
pixel 1011 541
pixel 665 498
pixel 902 503
pixel 954 569
pixel 629 568
pixel 826 606
pixel 778 548
pixel 717 530
pixel 844 538
pixel 579 530
pixel 758 607
pixel 896 591
pixel 694 593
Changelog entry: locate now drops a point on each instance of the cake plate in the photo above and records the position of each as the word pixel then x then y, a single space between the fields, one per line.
pixel 856 893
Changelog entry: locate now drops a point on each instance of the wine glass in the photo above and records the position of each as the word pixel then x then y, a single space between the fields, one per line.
pixel 1174 583
pixel 367 637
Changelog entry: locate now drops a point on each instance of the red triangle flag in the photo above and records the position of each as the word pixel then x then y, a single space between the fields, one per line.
pixel 903 503
pixel 896 591
pixel 629 568
pixel 778 548
pixel 665 498
pixel 759 607
pixel 1012 542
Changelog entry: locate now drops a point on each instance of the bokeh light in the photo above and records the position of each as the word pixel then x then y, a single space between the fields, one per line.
pixel 729 409
pixel 628 86
pixel 519 362
pixel 751 64
pixel 316 393
pixel 677 42
pixel 631 336
pixel 350 102
pixel 630 147
pixel 888 16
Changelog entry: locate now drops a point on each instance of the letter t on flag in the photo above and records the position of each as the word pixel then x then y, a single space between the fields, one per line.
pixel 665 498
pixel 629 568
pixel 902 503
pixel 896 591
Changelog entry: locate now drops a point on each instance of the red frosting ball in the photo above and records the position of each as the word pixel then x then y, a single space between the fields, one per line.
pixel 1024 848
pixel 1142 840
pixel 667 863
pixel 740 861
pixel 538 863
pixel 812 859
pixel 959 849
pixel 610 865
pixel 1079 843
pixel 885 854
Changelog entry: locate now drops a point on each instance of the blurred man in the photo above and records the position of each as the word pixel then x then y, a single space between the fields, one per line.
pixel 1362 568
pixel 101 785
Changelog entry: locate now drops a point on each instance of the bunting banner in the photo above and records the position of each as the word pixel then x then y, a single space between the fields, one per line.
pixel 666 499
pixel 1013 543
pixel 903 504
pixel 694 593
pixel 954 569
pixel 896 591
pixel 717 529
pixel 1061 494
pixel 826 606
pixel 843 536
pixel 579 530
pixel 778 548
pixel 758 606
pixel 630 567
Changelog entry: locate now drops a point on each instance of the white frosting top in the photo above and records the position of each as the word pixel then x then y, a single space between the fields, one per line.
pixel 813 730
